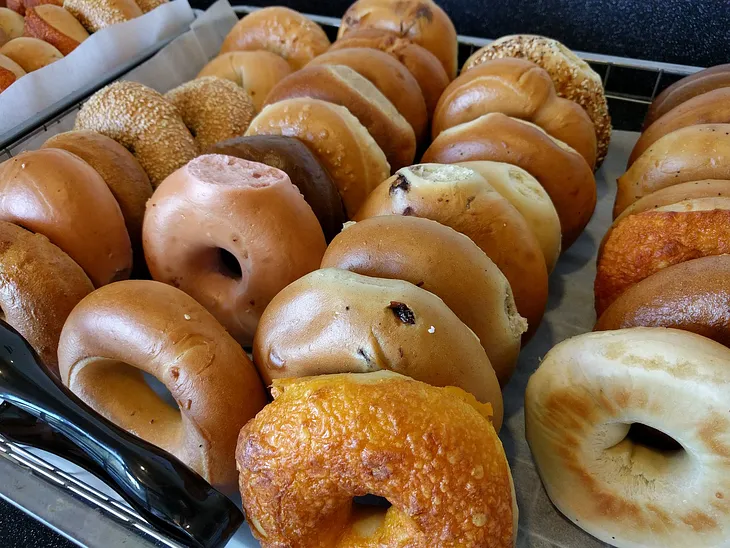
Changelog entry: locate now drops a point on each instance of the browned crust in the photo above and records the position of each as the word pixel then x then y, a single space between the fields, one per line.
pixel 18 6
pixel 7 77
pixel 38 27
pixel 148 5
pixel 98 14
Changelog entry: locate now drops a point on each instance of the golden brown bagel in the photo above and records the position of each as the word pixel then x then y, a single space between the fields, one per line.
pixel 390 77
pixel 213 109
pixel 463 200
pixel 56 26
pixel 421 21
pixel 562 172
pixel 142 120
pixel 231 234
pixel 642 244
pixel 39 286
pixel 712 107
pixel 339 141
pixel 574 79
pixel 97 15
pixel 20 6
pixel 689 154
pixel 341 85
pixel 438 259
pixel 255 71
pixel 279 30
pixel 421 63
pixel 336 321
pixel 10 71
pixel 692 296
pixel 434 437
pixel 30 53
pixel 148 5
pixel 57 194
pixel 520 89
pixel 124 329
pixel 11 23
pixel 688 87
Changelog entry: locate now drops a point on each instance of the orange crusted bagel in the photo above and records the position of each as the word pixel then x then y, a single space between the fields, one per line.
pixel 432 453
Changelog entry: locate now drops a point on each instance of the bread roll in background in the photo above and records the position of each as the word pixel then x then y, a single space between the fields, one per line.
pixel 31 53
pixel 11 23
pixel 10 71
pixel 56 26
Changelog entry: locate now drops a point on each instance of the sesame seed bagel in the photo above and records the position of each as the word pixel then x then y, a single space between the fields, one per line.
pixel 574 79
pixel 431 452
pixel 213 109
pixel 148 5
pixel 145 123
pixel 95 15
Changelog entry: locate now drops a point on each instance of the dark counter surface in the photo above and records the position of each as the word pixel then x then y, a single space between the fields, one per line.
pixel 19 530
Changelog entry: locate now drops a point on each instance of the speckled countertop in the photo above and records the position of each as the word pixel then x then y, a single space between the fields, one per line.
pixel 18 530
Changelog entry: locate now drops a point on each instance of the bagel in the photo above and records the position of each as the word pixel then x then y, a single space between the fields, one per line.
pixel 292 157
pixel 562 172
pixel 30 53
pixel 691 296
pixel 642 244
pixel 574 79
pixel 438 259
pixel 463 200
pixel 213 109
pixel 528 197
pixel 142 120
pixel 20 6
pixel 231 234
pixel 298 486
pixel 56 26
pixel 343 86
pixel 11 23
pixel 139 326
pixel 121 172
pixel 95 16
pixel 336 321
pixel 421 21
pixel 148 5
pixel 10 71
pixel 688 87
pixel 689 154
pixel 55 193
pixel 712 107
pixel 421 63
pixel 390 77
pixel 339 141
pixel 255 71
pixel 520 89
pixel 39 286
pixel 587 409
pixel 279 30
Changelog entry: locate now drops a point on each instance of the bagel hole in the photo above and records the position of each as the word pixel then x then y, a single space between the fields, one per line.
pixel 373 501
pixel 228 264
pixel 651 438
pixel 161 390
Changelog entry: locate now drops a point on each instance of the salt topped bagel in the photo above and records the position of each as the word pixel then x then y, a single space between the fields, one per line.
pixel 592 412
pixel 298 486
pixel 336 321
pixel 124 329
pixel 438 259
pixel 231 234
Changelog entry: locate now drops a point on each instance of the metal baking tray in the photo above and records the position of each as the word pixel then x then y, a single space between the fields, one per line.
pixel 83 509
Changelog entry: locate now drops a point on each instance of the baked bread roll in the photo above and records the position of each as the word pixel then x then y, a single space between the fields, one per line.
pixel 55 193
pixel 279 30
pixel 335 321
pixel 421 63
pixel 595 411
pixel 463 200
pixel 642 244
pixel 148 5
pixel 213 109
pixel 339 141
pixel 39 286
pixel 520 89
pixel 574 79
pixel 56 26
pixel 20 6
pixel 292 157
pixel 688 87
pixel 11 23
pixel 316 465
pixel 438 259
pixel 524 192
pixel 343 86
pixel 562 172
pixel 689 154
pixel 231 234
pixel 421 21
pixel 95 16
pixel 390 77
pixel 10 71
pixel 712 107
pixel 30 53
pixel 145 123
pixel 126 329
pixel 255 71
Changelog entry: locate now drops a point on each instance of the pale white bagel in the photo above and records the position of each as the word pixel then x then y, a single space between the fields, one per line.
pixel 578 409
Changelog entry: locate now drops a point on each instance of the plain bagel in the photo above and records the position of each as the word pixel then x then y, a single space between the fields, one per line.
pixel 10 71
pixel 30 53
pixel 56 26
pixel 335 321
